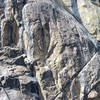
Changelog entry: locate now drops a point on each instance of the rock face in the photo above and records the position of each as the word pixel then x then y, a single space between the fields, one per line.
pixel 47 53
pixel 92 21
pixel 16 82
pixel 11 23
pixel 87 12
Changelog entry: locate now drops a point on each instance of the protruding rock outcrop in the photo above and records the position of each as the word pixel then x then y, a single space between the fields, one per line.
pixel 69 49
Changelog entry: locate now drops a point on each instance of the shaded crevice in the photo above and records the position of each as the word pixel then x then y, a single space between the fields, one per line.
pixel 33 87
pixel 10 33
pixel 12 83
pixel 46 34
pixel 75 11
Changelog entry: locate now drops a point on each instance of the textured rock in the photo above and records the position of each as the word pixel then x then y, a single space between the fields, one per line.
pixel 87 12
pixel 88 78
pixel 47 53
pixel 11 23
pixel 69 50
pixel 92 20
pixel 15 80
pixel 1 15
pixel 71 6
pixel 93 94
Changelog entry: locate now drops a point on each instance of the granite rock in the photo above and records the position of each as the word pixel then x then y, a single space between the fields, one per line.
pixel 47 51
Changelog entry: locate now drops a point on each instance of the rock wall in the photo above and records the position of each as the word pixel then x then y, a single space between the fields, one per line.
pixel 87 12
pixel 47 50
pixel 11 22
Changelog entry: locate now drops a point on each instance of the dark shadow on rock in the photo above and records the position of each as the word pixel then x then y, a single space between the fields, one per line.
pixel 75 10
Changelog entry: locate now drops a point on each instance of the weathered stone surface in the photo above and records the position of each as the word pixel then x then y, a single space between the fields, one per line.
pixel 11 22
pixel 87 79
pixel 71 6
pixel 87 12
pixel 1 16
pixel 93 94
pixel 47 53
pixel 15 80
pixel 69 48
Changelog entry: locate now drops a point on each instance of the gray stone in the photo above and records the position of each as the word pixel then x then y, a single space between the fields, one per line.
pixel 47 53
